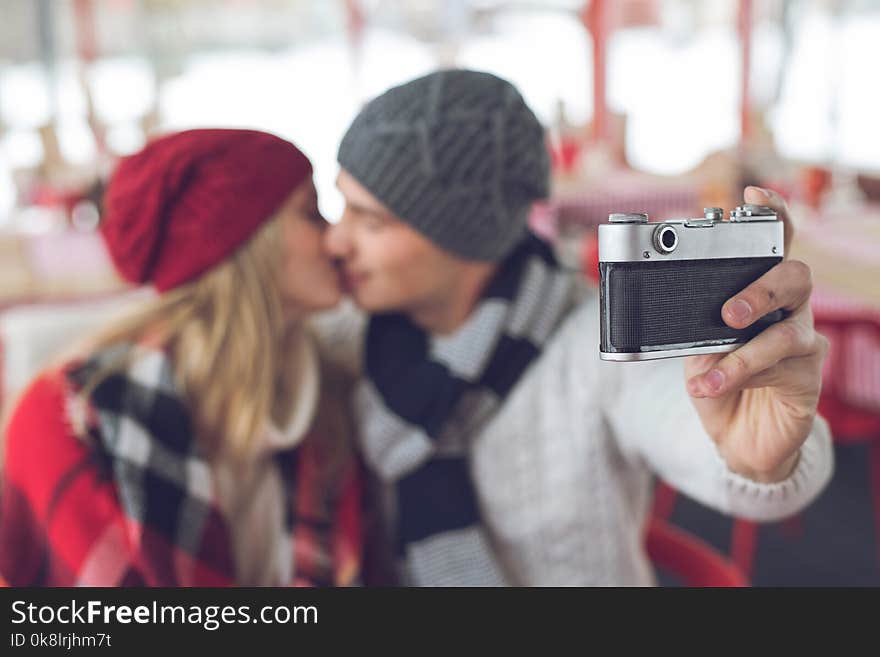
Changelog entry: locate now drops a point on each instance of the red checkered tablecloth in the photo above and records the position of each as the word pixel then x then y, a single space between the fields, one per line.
pixel 853 328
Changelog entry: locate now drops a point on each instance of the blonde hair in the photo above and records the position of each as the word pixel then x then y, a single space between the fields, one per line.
pixel 228 341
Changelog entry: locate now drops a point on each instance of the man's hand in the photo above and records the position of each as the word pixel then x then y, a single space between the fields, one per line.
pixel 758 403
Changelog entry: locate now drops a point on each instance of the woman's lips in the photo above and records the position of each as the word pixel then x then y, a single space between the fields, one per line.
pixel 352 280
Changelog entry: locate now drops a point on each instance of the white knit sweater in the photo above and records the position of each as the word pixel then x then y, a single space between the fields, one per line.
pixel 564 470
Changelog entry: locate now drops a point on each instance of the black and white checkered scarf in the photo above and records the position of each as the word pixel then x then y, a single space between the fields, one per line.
pixel 425 398
pixel 141 428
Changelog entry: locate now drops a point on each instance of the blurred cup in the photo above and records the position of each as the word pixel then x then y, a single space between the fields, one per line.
pixel 814 182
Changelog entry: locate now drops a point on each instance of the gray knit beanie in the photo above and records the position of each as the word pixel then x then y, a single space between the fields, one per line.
pixel 456 154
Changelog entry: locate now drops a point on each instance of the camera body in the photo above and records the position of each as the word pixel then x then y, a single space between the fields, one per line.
pixel 662 284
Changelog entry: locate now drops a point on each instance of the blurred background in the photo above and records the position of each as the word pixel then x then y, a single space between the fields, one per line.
pixel 657 106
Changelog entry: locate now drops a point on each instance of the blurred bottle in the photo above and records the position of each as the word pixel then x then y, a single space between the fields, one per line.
pixel 814 181
pixel 565 142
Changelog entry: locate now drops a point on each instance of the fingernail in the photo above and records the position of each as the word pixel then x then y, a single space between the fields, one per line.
pixel 740 310
pixel 760 190
pixel 693 387
pixel 715 380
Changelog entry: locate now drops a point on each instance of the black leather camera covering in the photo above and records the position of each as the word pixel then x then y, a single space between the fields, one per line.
pixel 677 302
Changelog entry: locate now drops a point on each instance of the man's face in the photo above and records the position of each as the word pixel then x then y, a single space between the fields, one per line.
pixel 387 265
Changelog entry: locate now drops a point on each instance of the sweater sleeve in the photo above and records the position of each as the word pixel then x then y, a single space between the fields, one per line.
pixel 654 420
pixel 60 521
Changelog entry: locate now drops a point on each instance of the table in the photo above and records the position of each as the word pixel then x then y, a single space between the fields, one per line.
pixel 843 250
pixel 53 286
pixel 576 209
pixel 578 206
pixel 55 266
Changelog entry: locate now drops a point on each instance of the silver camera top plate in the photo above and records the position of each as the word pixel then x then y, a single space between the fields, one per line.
pixel 752 232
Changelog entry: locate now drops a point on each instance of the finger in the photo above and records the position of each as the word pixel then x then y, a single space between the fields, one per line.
pixel 798 372
pixel 787 286
pixel 761 196
pixel 701 363
pixel 694 365
pixel 786 339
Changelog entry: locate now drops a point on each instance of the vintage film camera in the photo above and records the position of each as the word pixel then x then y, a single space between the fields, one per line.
pixel 662 284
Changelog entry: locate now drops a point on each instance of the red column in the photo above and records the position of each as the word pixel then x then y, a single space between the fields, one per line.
pixel 86 38
pixel 745 35
pixel 355 21
pixel 594 16
pixel 355 24
pixel 87 49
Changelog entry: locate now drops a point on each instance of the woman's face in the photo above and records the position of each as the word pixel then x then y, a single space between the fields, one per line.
pixel 309 278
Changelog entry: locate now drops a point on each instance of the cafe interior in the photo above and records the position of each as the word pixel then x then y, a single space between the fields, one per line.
pixel 663 107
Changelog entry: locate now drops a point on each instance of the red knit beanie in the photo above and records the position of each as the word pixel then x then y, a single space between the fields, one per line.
pixel 190 199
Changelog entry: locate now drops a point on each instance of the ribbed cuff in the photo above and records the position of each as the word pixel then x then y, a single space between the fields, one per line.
pixel 767 502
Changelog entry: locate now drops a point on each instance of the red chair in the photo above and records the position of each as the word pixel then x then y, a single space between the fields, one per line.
pixel 851 422
pixel 850 398
pixel 743 533
pixel 688 558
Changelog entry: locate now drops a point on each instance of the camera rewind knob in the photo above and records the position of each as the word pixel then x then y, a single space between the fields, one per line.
pixel 628 218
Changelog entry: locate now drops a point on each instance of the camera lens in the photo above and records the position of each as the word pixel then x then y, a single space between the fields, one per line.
pixel 665 239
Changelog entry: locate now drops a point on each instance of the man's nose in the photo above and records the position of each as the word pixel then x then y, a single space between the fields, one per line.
pixel 336 239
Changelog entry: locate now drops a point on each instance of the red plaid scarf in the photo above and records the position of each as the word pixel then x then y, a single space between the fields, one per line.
pixel 132 503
